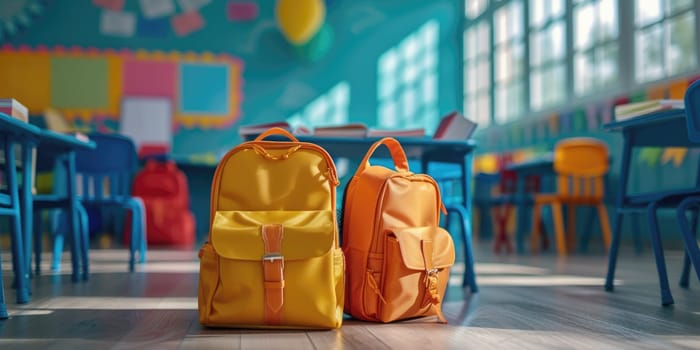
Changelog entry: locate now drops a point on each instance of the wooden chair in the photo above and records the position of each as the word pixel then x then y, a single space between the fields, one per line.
pixel 580 165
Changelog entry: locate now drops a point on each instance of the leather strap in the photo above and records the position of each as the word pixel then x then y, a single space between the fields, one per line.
pixel 432 296
pixel 273 271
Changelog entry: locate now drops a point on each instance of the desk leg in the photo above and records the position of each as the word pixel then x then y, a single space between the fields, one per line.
pixel 18 248
pixel 27 204
pixel 73 227
pixel 621 195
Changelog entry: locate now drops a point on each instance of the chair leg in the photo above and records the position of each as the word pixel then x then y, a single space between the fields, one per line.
pixel 536 225
pixel 58 227
pixel 604 224
pixel 84 235
pixel 559 228
pixel 3 305
pixel 689 234
pixel 38 244
pixel 612 254
pixel 571 228
pixel 685 275
pixel 586 237
pixel 469 275
pixel 666 297
pixel 501 239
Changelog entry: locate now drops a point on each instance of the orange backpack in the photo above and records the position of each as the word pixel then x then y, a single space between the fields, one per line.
pixel 398 259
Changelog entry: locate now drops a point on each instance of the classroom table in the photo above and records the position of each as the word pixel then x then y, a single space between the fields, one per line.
pixel 661 129
pixel 542 166
pixel 20 133
pixel 62 147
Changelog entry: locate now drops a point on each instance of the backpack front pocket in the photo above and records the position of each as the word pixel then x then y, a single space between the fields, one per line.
pixel 276 268
pixel 416 271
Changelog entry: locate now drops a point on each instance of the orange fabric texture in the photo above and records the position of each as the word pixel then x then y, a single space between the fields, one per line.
pixel 398 258
pixel 272 259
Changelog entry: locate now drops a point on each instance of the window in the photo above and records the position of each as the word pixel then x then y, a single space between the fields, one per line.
pixel 509 55
pixel 547 53
pixel 664 38
pixel 330 108
pixel 474 8
pixel 407 84
pixel 477 66
pixel 595 45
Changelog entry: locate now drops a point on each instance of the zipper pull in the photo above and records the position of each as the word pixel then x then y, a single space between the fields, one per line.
pixel 373 284
pixel 442 208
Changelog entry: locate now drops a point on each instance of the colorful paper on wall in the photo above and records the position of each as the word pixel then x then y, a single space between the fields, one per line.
pixel 157 8
pixel 187 23
pixel 580 123
pixel 553 123
pixel 591 117
pixel 675 154
pixel 154 28
pixel 241 11
pixel 191 5
pixel 79 83
pixel 150 78
pixel 121 24
pixel 657 92
pixel 676 89
pixel 112 5
pixel 650 155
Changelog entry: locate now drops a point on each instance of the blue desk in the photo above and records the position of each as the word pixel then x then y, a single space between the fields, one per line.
pixel 540 166
pixel 52 147
pixel 662 129
pixel 15 132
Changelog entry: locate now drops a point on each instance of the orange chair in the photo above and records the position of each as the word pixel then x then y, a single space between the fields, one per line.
pixel 580 164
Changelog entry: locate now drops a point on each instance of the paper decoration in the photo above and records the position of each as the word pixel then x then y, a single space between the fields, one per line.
pixel 241 11
pixel 579 121
pixel 565 123
pixel 78 83
pixel 553 123
pixel 112 5
pixel 192 5
pixel 187 23
pixel 675 154
pixel 204 89
pixel 650 155
pixel 150 78
pixel 676 89
pixel 300 20
pixel 147 120
pixel 20 73
pixel 638 96
pixel 157 8
pixel 656 92
pixel 154 28
pixel 592 117
pixel 121 24
pixel 606 114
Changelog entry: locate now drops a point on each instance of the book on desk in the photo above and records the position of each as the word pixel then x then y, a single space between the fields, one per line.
pixel 643 108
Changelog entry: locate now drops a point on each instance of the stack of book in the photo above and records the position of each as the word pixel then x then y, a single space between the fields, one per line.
pixel 14 108
pixel 638 109
pixel 455 126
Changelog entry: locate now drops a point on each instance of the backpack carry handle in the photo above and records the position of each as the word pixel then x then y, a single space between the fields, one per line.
pixel 276 131
pixel 395 149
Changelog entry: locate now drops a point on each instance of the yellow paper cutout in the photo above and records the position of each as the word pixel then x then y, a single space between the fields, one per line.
pixel 26 77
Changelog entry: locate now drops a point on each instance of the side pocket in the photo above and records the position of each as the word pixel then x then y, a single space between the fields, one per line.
pixel 208 280
pixel 339 278
pixel 403 287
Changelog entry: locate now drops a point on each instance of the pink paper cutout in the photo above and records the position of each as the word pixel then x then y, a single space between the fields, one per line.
pixel 242 11
pixel 150 78
pixel 187 23
pixel 114 5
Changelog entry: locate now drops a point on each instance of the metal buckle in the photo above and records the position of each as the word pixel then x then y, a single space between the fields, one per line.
pixel 272 257
pixel 432 272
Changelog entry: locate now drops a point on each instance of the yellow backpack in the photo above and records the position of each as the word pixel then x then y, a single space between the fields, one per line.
pixel 272 259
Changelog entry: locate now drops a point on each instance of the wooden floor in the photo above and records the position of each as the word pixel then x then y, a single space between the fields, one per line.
pixel 525 302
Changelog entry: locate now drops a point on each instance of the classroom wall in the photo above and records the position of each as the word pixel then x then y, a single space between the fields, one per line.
pixel 274 82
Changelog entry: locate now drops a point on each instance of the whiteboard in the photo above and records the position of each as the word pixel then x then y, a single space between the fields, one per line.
pixel 147 120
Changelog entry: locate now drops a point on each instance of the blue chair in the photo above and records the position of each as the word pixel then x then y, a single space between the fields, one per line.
pixel 105 181
pixel 483 201
pixel 682 200
pixel 62 219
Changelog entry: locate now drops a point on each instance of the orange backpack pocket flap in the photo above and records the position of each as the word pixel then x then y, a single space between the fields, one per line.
pixel 410 244
pixel 237 235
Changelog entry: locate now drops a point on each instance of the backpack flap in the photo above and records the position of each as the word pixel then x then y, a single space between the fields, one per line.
pixel 415 243
pixel 237 235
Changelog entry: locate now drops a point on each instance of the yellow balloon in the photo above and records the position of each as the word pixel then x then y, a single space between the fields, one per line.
pixel 299 20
